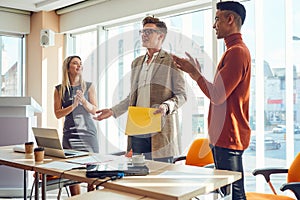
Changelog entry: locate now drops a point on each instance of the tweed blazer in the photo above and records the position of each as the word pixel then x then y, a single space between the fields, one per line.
pixel 167 85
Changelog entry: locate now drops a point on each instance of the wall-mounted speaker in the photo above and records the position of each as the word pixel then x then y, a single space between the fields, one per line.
pixel 47 38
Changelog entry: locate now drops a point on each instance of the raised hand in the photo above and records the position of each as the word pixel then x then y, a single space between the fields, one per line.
pixel 188 65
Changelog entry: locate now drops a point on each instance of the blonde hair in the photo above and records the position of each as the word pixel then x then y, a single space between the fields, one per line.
pixel 66 85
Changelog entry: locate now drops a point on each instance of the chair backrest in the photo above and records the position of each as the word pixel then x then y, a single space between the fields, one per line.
pixel 199 153
pixel 294 170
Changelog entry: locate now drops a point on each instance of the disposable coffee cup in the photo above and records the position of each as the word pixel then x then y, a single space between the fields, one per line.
pixel 29 147
pixel 39 154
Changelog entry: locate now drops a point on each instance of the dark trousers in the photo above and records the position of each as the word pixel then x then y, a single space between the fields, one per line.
pixel 141 144
pixel 229 159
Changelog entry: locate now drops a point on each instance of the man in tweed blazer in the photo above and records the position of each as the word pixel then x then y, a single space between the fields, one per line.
pixel 155 82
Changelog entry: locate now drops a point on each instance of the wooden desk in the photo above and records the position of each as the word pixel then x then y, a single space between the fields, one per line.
pixel 25 162
pixel 165 181
pixel 175 182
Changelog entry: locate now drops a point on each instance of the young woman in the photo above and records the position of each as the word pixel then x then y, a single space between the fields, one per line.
pixel 75 100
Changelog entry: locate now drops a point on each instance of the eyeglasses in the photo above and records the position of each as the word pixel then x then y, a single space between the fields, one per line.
pixel 148 31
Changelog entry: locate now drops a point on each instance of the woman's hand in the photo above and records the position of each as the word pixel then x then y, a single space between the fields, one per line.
pixel 76 101
pixel 80 96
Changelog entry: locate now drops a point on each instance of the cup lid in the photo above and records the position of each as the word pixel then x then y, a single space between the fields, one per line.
pixel 39 149
pixel 27 143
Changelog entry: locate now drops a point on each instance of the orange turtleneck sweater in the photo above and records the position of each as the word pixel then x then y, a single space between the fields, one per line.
pixel 228 118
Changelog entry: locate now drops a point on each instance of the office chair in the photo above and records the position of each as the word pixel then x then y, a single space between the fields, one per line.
pixel 199 154
pixel 54 182
pixel 293 182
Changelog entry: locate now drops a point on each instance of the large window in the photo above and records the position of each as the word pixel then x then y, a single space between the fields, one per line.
pixel 122 47
pixel 296 67
pixel 274 113
pixel 11 65
pixel 189 33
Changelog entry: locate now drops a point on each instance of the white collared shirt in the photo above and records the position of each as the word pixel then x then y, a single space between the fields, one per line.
pixel 143 95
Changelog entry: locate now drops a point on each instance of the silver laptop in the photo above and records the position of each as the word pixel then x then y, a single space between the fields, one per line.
pixel 49 139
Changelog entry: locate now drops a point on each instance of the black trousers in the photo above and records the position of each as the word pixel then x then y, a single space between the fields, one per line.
pixel 229 159
pixel 141 144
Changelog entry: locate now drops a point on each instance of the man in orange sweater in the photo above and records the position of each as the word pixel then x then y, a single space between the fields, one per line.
pixel 228 119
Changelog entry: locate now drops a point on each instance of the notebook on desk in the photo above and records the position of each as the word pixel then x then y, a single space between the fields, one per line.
pixel 49 139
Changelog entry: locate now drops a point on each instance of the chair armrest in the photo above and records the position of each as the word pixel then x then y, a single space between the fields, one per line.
pixel 179 158
pixel 293 186
pixel 266 172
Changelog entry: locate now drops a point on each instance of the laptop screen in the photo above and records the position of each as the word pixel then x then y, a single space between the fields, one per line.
pixel 47 142
pixel 47 138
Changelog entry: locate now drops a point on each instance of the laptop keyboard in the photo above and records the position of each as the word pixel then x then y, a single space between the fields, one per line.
pixel 74 153
pixel 69 154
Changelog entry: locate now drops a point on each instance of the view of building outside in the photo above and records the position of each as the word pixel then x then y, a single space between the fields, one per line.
pixel 11 65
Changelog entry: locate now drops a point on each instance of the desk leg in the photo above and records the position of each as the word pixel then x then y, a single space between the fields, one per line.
pixel 25 184
pixel 36 180
pixel 44 181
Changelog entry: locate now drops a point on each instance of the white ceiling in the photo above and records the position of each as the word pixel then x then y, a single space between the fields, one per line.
pixel 38 5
